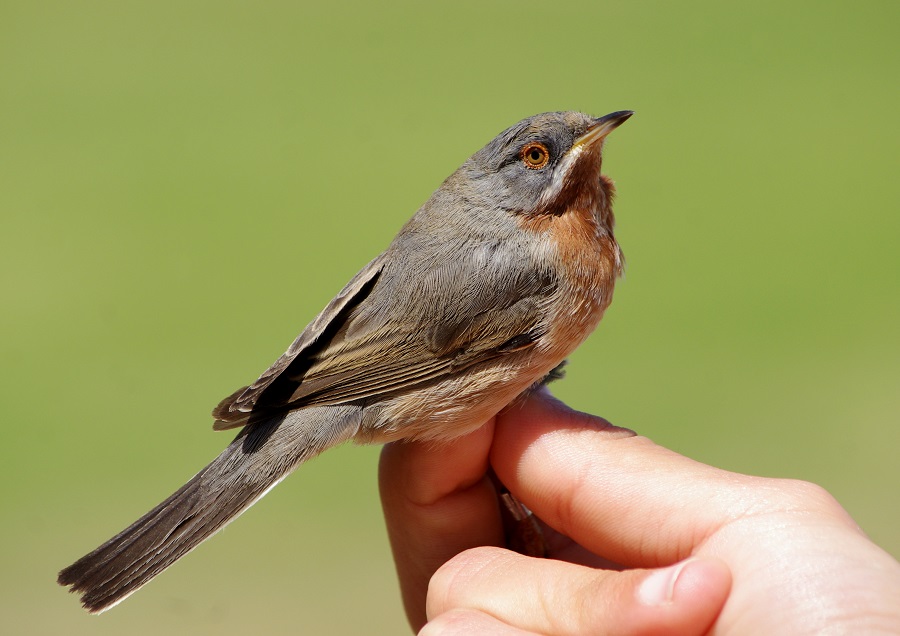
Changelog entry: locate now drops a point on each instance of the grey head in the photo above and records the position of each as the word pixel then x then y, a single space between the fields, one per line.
pixel 539 165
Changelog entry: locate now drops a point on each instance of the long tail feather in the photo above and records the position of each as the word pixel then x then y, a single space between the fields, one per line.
pixel 259 457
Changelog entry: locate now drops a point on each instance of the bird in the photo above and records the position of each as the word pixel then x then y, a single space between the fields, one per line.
pixel 493 282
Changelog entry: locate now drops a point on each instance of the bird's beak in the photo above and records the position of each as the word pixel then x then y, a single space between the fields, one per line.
pixel 601 127
pixel 584 155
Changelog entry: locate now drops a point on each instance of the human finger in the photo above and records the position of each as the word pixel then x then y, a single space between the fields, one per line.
pixel 465 622
pixel 553 597
pixel 438 501
pixel 617 494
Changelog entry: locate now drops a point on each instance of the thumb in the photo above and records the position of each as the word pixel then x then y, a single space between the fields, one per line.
pixel 553 597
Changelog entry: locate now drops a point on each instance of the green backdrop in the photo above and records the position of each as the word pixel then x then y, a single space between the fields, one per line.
pixel 183 185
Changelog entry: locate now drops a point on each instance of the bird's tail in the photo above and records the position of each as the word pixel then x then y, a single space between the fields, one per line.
pixel 259 457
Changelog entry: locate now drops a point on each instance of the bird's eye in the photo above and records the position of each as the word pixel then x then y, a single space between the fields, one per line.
pixel 535 155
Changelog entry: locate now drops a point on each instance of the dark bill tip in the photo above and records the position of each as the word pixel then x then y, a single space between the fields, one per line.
pixel 613 120
pixel 601 127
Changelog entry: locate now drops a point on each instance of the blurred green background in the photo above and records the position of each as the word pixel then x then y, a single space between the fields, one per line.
pixel 183 185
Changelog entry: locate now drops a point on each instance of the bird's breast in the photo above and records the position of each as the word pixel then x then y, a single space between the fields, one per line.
pixel 588 261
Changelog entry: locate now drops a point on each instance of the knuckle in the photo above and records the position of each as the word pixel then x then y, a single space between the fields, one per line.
pixel 805 495
pixel 798 496
pixel 588 600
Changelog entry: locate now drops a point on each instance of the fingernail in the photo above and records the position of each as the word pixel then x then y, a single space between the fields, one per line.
pixel 659 587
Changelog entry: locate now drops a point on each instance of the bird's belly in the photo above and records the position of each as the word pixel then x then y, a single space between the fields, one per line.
pixel 454 406
pixel 462 403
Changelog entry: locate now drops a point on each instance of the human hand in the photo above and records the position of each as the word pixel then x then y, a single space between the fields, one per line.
pixel 648 541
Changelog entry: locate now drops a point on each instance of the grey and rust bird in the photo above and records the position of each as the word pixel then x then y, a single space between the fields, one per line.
pixel 501 274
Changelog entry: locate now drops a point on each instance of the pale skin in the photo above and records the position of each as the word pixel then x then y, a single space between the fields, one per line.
pixel 649 541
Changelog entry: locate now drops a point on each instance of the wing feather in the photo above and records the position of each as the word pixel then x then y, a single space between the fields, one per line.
pixel 367 344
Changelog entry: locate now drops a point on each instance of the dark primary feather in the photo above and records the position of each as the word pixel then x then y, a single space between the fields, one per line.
pixel 234 408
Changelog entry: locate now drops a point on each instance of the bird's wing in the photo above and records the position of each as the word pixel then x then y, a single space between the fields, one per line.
pixel 401 328
pixel 234 409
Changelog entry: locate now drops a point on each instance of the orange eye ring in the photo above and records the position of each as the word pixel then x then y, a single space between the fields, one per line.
pixel 535 155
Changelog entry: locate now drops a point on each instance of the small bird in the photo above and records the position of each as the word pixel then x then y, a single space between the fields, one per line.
pixel 501 274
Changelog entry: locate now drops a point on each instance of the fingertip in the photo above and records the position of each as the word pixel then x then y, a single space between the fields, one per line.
pixel 684 598
pixel 706 578
pixel 691 578
pixel 539 416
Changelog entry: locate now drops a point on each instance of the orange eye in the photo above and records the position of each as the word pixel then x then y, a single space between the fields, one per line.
pixel 535 155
